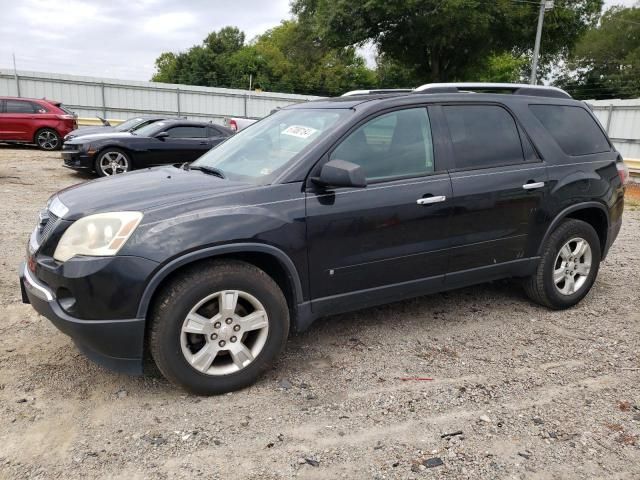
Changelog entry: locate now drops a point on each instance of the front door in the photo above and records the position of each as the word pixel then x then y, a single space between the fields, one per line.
pixel 388 240
pixel 498 185
pixel 185 143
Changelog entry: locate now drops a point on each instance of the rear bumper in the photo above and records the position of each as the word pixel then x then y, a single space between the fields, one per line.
pixel 115 344
pixel 612 234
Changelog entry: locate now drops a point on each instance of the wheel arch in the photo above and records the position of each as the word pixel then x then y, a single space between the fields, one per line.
pixel 40 129
pixel 593 213
pixel 271 260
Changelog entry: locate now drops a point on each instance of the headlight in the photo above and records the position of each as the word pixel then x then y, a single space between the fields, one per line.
pixel 99 235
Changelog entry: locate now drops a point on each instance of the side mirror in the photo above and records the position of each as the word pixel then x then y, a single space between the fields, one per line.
pixel 340 173
pixel 162 135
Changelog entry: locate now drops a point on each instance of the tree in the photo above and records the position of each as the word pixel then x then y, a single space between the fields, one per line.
pixel 446 40
pixel 606 60
pixel 287 58
pixel 205 64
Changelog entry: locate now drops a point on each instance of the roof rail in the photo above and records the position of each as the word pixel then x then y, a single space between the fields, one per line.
pixel 379 91
pixel 513 88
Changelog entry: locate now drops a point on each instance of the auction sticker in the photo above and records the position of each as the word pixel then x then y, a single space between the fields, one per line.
pixel 299 131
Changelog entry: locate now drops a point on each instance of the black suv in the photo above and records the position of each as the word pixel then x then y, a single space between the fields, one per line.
pixel 327 207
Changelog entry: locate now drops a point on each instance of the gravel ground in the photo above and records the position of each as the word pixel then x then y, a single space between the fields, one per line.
pixel 518 391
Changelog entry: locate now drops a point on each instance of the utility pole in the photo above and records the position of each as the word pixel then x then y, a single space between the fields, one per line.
pixel 15 74
pixel 250 81
pixel 544 5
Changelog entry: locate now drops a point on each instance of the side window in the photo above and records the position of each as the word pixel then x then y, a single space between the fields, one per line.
pixel 572 128
pixel 19 106
pixel 391 145
pixel 483 136
pixel 214 132
pixel 187 132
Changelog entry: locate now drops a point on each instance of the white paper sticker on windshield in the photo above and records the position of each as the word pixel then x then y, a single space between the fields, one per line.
pixel 299 131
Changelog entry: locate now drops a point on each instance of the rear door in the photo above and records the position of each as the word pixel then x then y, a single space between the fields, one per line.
pixel 388 240
pixel 4 123
pixel 18 119
pixel 499 183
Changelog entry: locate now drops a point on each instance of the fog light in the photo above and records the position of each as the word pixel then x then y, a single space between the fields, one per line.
pixel 66 300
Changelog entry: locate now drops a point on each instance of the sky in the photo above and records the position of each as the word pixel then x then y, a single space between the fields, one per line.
pixel 122 38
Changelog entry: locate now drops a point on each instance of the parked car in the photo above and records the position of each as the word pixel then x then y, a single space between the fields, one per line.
pixel 167 141
pixel 237 123
pixel 129 125
pixel 321 208
pixel 30 120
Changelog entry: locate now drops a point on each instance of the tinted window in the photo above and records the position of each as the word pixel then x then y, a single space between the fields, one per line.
pixel 395 144
pixel 187 132
pixel 483 136
pixel 573 128
pixel 20 106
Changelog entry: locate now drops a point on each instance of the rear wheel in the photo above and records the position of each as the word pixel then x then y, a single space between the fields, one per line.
pixel 218 327
pixel 48 139
pixel 112 161
pixel 568 267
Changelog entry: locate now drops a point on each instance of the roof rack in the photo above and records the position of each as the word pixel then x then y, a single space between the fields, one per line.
pixel 512 88
pixel 380 91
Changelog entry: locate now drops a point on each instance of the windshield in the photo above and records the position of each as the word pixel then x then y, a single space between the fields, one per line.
pixel 129 124
pixel 150 130
pixel 260 152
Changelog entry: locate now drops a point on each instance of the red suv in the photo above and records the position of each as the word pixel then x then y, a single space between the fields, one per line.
pixel 28 120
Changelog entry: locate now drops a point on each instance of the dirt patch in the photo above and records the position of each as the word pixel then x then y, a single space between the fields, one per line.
pixel 535 393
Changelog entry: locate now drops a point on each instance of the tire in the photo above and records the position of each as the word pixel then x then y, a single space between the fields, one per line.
pixel 559 293
pixel 112 160
pixel 183 357
pixel 48 139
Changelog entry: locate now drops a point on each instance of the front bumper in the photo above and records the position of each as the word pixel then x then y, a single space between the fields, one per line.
pixel 77 159
pixel 115 344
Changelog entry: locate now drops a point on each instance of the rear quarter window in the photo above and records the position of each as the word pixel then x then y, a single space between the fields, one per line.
pixel 573 129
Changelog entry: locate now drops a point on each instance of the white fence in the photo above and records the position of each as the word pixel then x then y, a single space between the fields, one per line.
pixel 621 119
pixel 119 99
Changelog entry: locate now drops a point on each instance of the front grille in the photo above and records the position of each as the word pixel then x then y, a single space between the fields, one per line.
pixel 48 222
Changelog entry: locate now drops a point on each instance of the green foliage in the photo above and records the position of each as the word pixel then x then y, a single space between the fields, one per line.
pixel 446 40
pixel 504 67
pixel 606 60
pixel 286 58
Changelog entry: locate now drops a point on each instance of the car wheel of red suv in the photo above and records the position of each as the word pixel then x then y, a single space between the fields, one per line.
pixel 48 139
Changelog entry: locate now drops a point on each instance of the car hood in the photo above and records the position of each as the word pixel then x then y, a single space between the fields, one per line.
pixel 143 190
pixel 82 132
pixel 96 137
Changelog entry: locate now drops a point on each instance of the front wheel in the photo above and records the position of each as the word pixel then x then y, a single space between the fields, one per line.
pixel 112 162
pixel 568 266
pixel 218 327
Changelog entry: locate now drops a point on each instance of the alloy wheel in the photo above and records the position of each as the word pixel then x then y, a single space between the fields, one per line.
pixel 112 163
pixel 47 140
pixel 572 266
pixel 224 332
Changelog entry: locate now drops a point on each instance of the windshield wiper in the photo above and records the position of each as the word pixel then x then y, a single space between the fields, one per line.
pixel 210 170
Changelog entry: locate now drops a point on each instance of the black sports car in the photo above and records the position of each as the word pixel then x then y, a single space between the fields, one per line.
pixel 128 125
pixel 167 141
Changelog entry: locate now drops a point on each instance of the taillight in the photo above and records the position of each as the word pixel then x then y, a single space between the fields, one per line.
pixel 623 172
pixel 233 125
pixel 66 117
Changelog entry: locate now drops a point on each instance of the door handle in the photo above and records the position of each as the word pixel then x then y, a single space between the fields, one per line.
pixel 430 200
pixel 533 185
